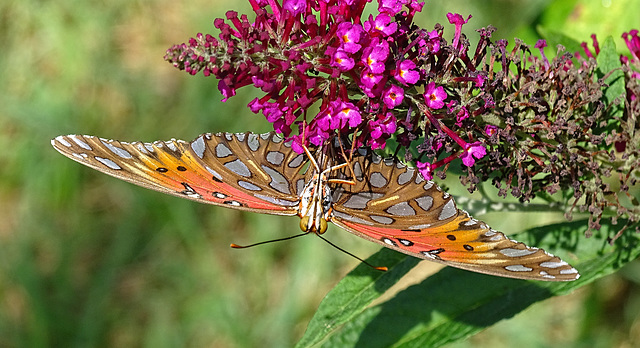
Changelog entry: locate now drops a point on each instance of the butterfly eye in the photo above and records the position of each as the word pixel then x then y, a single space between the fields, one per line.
pixel 304 223
pixel 323 226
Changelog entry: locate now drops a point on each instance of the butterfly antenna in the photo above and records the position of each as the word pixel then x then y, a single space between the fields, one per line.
pixel 383 269
pixel 236 246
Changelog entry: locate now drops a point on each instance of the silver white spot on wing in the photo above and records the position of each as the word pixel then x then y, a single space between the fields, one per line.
pixel 357 170
pixel 275 157
pixel 222 151
pixel 219 195
pixel 297 161
pixel 239 168
pixel 377 179
pixel 278 181
pixel 198 147
pixel 63 141
pixel 249 186
pixel 401 209
pixel 569 271
pixel 553 264
pixel 448 210
pixel 389 242
pixel 252 141
pixel 214 173
pixel 171 145
pixel 240 136
pixel 141 148
pixel 547 275
pixel 116 150
pixel 518 268
pixel 228 136
pixel 299 186
pixel 419 227
pixel 149 147
pixel 360 200
pixel 425 202
pixel 405 177
pixel 381 219
pixel 277 201
pixel 80 142
pixel 511 252
pixel 109 163
pixel 82 156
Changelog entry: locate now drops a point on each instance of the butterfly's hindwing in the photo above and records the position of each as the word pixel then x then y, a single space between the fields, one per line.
pixel 392 205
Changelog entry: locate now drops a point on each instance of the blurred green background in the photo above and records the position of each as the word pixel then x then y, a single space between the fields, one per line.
pixel 89 261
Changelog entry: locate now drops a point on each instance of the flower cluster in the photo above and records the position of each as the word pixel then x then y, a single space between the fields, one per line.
pixel 531 125
pixel 300 53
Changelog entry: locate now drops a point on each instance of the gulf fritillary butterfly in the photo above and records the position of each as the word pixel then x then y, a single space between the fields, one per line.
pixel 386 202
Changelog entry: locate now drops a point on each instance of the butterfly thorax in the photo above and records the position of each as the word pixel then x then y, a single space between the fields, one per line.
pixel 315 204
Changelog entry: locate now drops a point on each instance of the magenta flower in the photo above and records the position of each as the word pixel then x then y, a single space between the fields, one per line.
pixel 391 7
pixel 406 72
pixel 476 150
pixel 425 170
pixel 457 20
pixel 490 130
pixel 375 56
pixel 393 96
pixel 369 80
pixel 296 7
pixel 381 23
pixel 435 96
pixel 341 60
pixel 348 114
pixel 349 35
pixel 462 115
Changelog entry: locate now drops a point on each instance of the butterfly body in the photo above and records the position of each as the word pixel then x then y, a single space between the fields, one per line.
pixel 381 200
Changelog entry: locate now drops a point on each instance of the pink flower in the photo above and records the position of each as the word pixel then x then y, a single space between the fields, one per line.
pixel 406 73
pixel 435 96
pixel 490 130
pixel 472 150
pixel 349 35
pixel 393 96
pixel 341 60
pixel 425 170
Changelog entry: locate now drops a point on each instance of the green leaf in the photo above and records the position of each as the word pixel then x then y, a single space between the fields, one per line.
pixel 454 304
pixel 609 63
pixel 355 292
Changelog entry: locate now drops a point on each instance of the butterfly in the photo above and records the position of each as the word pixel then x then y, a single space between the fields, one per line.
pixel 378 199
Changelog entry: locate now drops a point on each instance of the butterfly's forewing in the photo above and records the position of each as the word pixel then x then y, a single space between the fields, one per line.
pixel 244 171
pixel 393 205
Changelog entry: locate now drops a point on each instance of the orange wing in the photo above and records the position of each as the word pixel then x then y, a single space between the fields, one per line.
pixel 244 171
pixel 392 205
